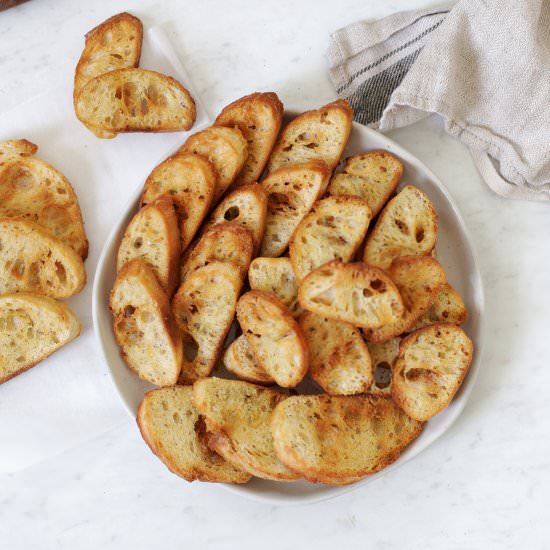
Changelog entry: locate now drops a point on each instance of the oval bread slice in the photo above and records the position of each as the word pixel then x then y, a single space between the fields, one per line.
pixel 191 181
pixel 153 236
pixel 34 190
pixel 418 279
pixel 333 230
pixel 355 293
pixel 291 192
pixel 276 275
pixel 225 148
pixel 340 439
pixel 372 175
pixel 113 44
pixel 143 325
pixel 33 260
pixel 239 360
pixel 430 368
pixel 32 327
pixel 321 134
pixel 241 412
pixel 225 242
pixel 13 149
pixel 258 116
pixel 174 431
pixel 448 307
pixel 407 226
pixel 274 337
pixel 246 206
pixel 340 361
pixel 204 308
pixel 135 100
pixel 382 356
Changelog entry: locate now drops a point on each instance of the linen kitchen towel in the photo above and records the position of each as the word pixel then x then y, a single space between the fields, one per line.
pixel 484 66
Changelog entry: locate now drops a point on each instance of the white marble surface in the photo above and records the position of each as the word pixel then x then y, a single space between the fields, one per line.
pixel 485 484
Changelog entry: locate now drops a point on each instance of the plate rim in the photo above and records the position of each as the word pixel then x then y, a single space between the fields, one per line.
pixel 325 492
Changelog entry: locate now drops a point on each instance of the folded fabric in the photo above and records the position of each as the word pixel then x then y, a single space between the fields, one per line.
pixel 483 66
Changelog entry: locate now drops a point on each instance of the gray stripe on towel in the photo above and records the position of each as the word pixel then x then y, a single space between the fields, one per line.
pixel 371 97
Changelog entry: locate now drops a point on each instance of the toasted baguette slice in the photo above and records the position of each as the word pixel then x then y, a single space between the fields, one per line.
pixel 225 242
pixel 274 337
pixel 356 293
pixel 204 307
pixel 135 100
pixel 173 429
pixel 291 192
pixel 239 360
pixel 382 356
pixel 114 44
pixel 339 439
pixel 418 279
pixel 13 149
pixel 258 116
pixel 191 181
pixel 32 327
pixel 333 230
pixel 373 176
pixel 314 135
pixel 340 361
pixel 34 190
pixel 241 412
pixel 143 325
pixel 430 368
pixel 246 206
pixel 153 236
pixel 33 260
pixel 276 275
pixel 225 148
pixel 406 227
pixel 448 307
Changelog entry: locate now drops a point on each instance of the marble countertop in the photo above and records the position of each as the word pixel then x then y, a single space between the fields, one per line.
pixel 485 484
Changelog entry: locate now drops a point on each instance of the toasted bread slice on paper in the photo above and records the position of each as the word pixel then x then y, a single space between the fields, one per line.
pixel 153 236
pixel 246 206
pixel 113 44
pixel 32 327
pixel 239 360
pixel 33 260
pixel 135 100
pixel 448 307
pixel 291 192
pixel 241 412
pixel 339 359
pixel 355 293
pixel 224 242
pixel 274 336
pixel 204 308
pixel 407 226
pixel 333 230
pixel 13 149
pixel 382 356
pixel 143 325
pixel 34 190
pixel 191 182
pixel 173 429
pixel 372 175
pixel 340 439
pixel 430 368
pixel 321 134
pixel 225 148
pixel 419 280
pixel 258 116
pixel 276 275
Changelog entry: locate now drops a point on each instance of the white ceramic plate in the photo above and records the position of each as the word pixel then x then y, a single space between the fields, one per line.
pixel 454 251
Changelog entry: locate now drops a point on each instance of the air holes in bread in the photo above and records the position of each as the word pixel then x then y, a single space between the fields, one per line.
pixel 231 213
pixel 382 375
